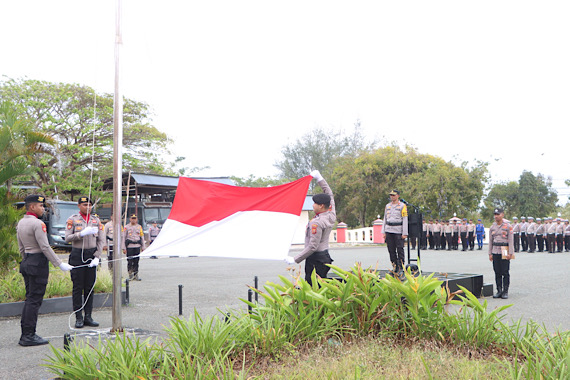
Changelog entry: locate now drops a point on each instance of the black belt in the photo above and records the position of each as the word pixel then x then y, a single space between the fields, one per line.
pixel 32 253
pixel 501 244
pixel 529 234
pixel 394 224
pixel 538 234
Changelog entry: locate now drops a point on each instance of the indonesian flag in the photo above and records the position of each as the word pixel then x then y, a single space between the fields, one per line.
pixel 213 219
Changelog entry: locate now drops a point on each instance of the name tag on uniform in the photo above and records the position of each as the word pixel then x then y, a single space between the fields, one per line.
pixel 505 253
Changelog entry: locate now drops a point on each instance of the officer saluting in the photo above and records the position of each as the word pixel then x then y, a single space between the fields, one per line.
pixel 501 250
pixel 36 251
pixel 85 232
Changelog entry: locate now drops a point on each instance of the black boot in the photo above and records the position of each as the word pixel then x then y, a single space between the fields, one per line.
pixel 499 293
pixel 29 338
pixel 79 321
pixel 88 321
pixel 505 294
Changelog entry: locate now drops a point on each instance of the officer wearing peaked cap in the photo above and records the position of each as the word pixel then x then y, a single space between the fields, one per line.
pixel 501 251
pixel 36 254
pixel 516 233
pixel 524 242
pixel 133 242
pixel 530 234
pixel 539 235
pixel 86 234
pixel 396 230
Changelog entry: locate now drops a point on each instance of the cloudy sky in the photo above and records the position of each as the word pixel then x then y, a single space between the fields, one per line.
pixel 233 82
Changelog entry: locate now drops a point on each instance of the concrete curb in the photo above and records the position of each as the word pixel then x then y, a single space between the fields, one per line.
pixel 59 304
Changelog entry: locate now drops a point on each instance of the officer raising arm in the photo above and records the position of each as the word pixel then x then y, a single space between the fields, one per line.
pixel 36 251
pixel 85 232
pixel 316 251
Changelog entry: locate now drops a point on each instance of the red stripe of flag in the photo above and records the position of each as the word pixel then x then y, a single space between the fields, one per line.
pixel 199 202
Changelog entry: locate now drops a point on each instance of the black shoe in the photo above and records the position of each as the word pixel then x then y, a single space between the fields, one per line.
pixel 499 293
pixel 90 322
pixel 79 323
pixel 505 295
pixel 32 340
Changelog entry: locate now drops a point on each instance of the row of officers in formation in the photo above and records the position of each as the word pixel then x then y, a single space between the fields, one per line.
pixel 546 234
pixel 529 234
pixel 447 233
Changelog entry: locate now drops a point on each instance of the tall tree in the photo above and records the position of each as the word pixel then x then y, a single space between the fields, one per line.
pixel 428 182
pixel 18 145
pixel 81 122
pixel 318 149
pixel 530 196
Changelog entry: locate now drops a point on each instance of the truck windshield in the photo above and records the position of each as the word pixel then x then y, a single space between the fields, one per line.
pixel 62 212
pixel 156 214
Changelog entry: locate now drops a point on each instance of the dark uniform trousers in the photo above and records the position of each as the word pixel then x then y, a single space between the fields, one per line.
pixel 395 245
pixel 464 242
pixel 317 262
pixel 531 242
pixel 423 240
pixel 540 242
pixel 524 242
pixel 501 268
pixel 455 239
pixel 35 270
pixel 566 243
pixel 449 238
pixel 83 280
pixel 471 240
pixel 559 242
pixel 517 242
pixel 551 242
pixel 431 239
pixel 133 260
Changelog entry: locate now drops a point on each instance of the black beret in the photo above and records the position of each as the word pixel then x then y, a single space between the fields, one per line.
pixel 498 210
pixel 322 199
pixel 35 199
pixel 84 200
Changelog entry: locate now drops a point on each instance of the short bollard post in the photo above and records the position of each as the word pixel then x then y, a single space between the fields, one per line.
pixel 249 297
pixel 255 282
pixel 127 291
pixel 67 339
pixel 180 299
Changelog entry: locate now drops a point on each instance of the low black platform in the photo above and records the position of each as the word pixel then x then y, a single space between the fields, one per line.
pixel 471 282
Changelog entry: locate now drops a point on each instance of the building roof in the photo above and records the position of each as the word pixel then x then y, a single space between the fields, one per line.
pixel 152 183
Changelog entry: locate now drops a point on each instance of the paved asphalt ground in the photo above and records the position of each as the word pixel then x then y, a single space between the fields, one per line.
pixel 539 291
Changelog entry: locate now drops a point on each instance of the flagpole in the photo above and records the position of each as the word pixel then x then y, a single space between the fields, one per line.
pixel 117 177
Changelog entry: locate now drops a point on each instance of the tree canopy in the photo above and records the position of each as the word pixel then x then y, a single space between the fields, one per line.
pixel 436 187
pixel 530 196
pixel 318 149
pixel 80 122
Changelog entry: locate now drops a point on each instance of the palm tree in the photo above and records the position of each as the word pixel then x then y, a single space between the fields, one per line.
pixel 18 144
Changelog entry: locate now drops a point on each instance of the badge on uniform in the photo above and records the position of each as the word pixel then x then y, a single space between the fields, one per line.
pixel 44 229
pixel 313 229
pixel 69 224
